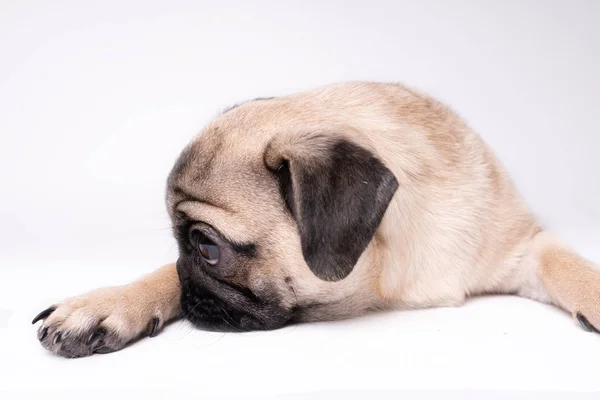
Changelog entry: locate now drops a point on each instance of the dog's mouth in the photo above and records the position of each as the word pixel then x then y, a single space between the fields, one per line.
pixel 213 304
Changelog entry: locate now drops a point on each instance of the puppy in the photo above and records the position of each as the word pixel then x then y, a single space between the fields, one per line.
pixel 330 204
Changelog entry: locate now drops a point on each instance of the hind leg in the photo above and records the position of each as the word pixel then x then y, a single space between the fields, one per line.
pixel 553 273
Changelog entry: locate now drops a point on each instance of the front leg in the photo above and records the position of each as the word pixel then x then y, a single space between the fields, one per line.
pixel 107 319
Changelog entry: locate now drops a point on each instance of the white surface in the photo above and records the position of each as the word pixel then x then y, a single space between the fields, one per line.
pixel 98 98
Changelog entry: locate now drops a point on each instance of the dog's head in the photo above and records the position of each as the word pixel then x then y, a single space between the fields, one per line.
pixel 275 206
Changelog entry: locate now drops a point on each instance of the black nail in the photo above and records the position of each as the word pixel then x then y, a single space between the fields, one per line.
pixel 153 327
pixel 103 350
pixel 585 324
pixel 57 338
pixel 95 335
pixel 44 314
pixel 43 333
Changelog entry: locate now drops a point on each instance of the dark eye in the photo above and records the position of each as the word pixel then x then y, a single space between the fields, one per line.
pixel 207 248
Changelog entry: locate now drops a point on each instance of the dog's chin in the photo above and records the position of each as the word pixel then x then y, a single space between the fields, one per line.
pixel 209 311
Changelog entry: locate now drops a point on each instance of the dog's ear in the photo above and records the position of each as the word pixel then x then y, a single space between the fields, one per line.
pixel 337 191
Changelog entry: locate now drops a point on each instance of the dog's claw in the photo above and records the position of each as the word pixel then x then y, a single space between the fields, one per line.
pixel 95 335
pixel 43 333
pixel 103 350
pixel 44 314
pixel 57 338
pixel 585 324
pixel 153 327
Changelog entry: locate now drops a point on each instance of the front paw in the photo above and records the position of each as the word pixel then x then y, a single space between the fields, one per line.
pixel 101 321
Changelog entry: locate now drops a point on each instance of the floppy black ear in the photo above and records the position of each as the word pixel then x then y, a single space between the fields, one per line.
pixel 338 192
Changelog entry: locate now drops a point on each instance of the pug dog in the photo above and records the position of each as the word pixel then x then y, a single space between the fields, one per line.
pixel 329 204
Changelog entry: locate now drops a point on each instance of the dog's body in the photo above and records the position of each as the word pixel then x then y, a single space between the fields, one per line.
pixel 329 204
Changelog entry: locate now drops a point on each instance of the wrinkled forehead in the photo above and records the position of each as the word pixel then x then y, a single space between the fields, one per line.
pixel 225 163
pixel 216 169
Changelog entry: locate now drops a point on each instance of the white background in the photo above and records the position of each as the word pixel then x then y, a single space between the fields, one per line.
pixel 98 98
